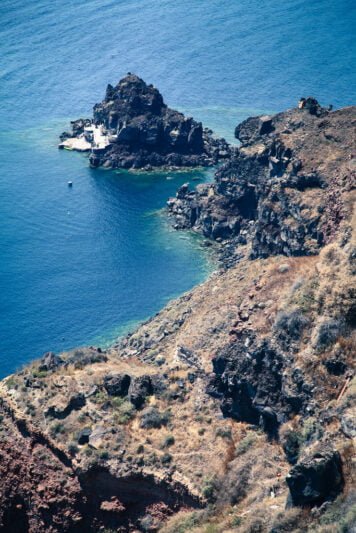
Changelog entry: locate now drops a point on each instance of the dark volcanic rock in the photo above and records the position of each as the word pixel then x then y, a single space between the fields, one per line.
pixel 83 436
pixel 280 190
pixel 144 132
pixel 50 361
pixel 316 478
pixel 117 384
pixel 252 386
pixel 140 388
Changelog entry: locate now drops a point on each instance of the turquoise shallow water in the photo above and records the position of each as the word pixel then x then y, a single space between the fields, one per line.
pixel 78 266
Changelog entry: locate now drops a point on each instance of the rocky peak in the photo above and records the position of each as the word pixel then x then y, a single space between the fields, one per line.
pixel 130 97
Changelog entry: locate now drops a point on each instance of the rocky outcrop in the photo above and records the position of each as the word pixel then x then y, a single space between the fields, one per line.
pixel 50 361
pixel 75 403
pixel 140 388
pixel 133 128
pixel 278 190
pixel 316 478
pixel 117 384
pixel 251 383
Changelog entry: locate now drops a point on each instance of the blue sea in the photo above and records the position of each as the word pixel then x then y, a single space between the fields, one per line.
pixel 83 265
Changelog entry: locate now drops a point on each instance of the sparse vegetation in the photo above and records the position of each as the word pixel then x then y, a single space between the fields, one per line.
pixel 11 383
pixel 290 324
pixel 287 521
pixel 73 448
pixel 56 429
pixel 152 418
pixel 166 458
pixel 124 411
pixel 224 433
pixel 168 441
pixel 183 522
pixel 245 443
pixel 328 333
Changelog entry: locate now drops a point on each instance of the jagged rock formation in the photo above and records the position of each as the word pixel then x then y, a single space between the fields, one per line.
pixel 133 128
pixel 283 189
pixel 233 408
pixel 316 478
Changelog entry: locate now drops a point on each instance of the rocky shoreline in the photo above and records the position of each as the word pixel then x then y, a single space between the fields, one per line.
pixel 132 128
pixel 232 409
pixel 258 196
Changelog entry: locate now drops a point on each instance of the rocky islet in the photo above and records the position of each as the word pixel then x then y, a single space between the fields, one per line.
pixel 132 128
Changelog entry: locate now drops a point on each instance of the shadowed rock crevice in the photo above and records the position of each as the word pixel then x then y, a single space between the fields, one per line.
pixel 125 501
pixel 15 517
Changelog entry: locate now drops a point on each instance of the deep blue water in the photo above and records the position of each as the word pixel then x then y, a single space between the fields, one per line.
pixel 78 266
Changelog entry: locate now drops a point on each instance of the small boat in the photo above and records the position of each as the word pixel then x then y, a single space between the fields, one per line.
pixel 70 184
pixel 69 148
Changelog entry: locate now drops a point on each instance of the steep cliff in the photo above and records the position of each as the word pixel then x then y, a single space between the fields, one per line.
pixel 284 189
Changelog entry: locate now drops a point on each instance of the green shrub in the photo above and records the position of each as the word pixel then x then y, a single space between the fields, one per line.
pixel 104 455
pixel 88 452
pixel 30 409
pixel 328 333
pixel 209 490
pixel 166 458
pixel 56 429
pixel 236 521
pixel 245 444
pixel 312 430
pixel 82 417
pixel 152 418
pixel 73 448
pixel 99 397
pixel 39 374
pixel 124 410
pixel 168 441
pixel 292 442
pixel 290 324
pixel 11 383
pixel 225 433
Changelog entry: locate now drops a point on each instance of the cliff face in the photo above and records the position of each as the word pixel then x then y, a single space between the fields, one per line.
pixel 138 130
pixel 233 408
pixel 284 188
